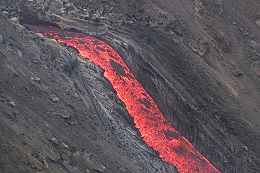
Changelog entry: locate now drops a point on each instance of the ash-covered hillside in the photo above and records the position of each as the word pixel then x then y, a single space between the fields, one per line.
pixel 198 59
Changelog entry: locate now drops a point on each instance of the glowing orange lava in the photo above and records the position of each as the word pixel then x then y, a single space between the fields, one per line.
pixel 155 130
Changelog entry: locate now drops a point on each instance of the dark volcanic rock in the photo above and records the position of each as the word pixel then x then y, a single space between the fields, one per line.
pixel 1 39
pixel 198 59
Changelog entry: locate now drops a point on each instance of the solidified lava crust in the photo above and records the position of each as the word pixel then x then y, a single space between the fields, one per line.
pixel 155 130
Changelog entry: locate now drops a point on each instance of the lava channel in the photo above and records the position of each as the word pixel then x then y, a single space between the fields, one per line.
pixel 156 132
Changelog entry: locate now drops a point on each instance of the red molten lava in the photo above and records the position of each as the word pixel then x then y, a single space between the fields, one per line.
pixel 155 130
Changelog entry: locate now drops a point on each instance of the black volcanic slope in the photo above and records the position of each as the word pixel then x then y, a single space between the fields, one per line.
pixel 198 59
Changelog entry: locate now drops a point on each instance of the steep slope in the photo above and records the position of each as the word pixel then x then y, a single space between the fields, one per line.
pixel 59 114
pixel 198 59
pixel 157 133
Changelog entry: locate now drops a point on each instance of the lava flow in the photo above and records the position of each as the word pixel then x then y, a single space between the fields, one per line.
pixel 155 130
